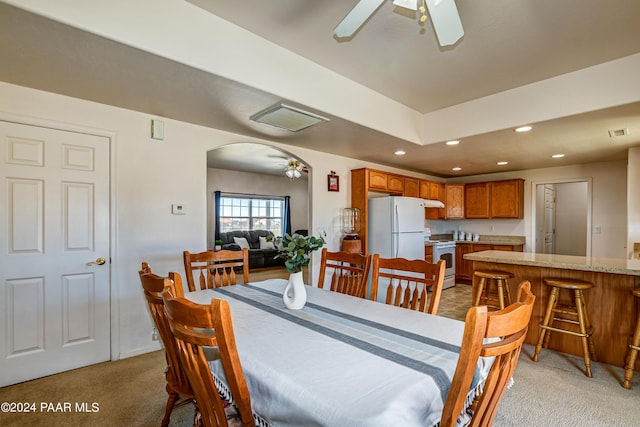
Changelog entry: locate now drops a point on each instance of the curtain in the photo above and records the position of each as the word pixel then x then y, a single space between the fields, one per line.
pixel 216 200
pixel 287 215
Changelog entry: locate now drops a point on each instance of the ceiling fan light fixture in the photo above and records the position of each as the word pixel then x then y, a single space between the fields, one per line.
pixel 287 117
pixel 294 169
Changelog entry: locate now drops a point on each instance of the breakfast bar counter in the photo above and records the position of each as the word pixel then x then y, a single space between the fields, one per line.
pixel 611 306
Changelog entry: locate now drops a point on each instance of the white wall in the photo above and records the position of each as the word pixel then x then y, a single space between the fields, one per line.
pixel 253 183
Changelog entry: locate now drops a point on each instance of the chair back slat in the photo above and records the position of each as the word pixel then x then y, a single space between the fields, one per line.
pixel 408 282
pixel 498 334
pixel 215 268
pixel 348 272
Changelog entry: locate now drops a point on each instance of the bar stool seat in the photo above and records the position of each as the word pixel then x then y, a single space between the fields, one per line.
pixel 632 352
pixel 571 314
pixel 499 297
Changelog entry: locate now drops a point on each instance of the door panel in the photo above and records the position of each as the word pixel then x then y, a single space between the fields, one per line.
pixel 54 307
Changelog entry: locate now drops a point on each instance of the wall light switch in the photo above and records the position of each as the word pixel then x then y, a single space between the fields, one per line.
pixel 157 130
pixel 178 209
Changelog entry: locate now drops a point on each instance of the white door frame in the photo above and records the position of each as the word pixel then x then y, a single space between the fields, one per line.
pixel 113 223
pixel 534 185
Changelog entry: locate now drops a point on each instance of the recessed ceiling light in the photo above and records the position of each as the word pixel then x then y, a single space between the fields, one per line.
pixel 502 163
pixel 452 142
pixel 557 156
pixel 399 152
pixel 523 129
pixel 457 168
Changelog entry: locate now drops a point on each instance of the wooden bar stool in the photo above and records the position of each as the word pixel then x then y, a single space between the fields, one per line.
pixel 500 297
pixel 577 310
pixel 632 353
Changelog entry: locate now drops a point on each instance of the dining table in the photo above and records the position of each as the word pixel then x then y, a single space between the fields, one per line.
pixel 340 360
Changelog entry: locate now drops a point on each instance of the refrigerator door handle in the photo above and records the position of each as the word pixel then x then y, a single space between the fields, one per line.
pixel 396 235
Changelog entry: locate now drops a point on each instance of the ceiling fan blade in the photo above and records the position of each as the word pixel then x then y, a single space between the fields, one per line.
pixel 446 21
pixel 356 17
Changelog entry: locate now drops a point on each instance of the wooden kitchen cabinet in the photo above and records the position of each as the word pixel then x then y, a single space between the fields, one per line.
pixel 411 187
pixel 494 200
pixel 464 268
pixel 395 183
pixel 377 180
pixel 428 254
pixel 387 182
pixel 476 200
pixel 507 199
pixel 454 201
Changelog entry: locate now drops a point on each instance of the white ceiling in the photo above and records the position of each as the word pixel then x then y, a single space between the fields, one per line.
pixel 507 44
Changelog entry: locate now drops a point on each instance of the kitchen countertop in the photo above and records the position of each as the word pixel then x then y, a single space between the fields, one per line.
pixel 567 262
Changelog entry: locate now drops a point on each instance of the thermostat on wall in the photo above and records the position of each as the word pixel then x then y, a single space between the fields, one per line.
pixel 178 209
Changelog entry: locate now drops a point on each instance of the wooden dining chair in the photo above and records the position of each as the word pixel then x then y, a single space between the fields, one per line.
pixel 195 326
pixel 348 271
pixel 498 334
pixel 177 382
pixel 215 268
pixel 407 283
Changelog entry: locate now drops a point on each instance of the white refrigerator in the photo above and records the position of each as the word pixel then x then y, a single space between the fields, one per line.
pixel 396 227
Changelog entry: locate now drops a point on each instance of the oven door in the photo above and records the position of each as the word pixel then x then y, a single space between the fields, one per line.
pixel 448 254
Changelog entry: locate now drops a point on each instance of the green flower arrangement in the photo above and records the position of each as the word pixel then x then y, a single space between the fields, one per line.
pixel 295 250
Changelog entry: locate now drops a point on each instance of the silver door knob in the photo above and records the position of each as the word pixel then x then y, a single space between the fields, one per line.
pixel 98 261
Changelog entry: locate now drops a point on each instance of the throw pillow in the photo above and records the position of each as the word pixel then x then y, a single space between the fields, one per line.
pixel 242 242
pixel 264 244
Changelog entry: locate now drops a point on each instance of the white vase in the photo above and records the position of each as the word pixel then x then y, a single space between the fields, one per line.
pixel 295 296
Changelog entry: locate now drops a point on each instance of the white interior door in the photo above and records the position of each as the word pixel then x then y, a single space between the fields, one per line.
pixel 54 306
pixel 549 219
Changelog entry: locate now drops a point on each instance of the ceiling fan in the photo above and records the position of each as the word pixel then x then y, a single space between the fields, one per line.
pixel 295 169
pixel 444 15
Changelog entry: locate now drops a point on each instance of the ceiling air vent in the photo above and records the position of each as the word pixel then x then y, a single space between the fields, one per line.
pixel 618 132
pixel 287 117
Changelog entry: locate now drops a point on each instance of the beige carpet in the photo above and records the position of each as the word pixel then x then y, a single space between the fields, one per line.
pixel 130 392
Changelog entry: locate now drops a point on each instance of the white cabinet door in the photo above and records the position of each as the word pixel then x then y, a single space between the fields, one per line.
pixel 54 307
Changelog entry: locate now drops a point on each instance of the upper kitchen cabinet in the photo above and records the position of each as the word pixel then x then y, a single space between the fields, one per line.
pixel 387 182
pixel 476 200
pixel 377 180
pixel 454 201
pixel 433 191
pixel 495 199
pixel 411 187
pixel 507 199
pixel 395 184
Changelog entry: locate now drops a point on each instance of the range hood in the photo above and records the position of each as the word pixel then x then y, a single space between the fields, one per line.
pixel 428 203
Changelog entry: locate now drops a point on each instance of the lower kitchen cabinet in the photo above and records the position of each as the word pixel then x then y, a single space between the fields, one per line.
pixel 464 268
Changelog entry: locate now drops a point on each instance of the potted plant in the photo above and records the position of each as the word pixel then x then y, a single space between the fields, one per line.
pixel 295 250
pixel 218 245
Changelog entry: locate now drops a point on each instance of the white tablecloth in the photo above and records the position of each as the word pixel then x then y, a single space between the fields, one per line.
pixel 340 361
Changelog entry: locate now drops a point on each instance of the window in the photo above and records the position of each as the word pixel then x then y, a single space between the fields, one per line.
pixel 251 213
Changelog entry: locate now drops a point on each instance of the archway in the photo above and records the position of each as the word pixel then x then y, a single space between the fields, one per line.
pixel 257 170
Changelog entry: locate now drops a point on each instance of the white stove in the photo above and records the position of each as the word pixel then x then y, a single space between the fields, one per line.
pixel 445 250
